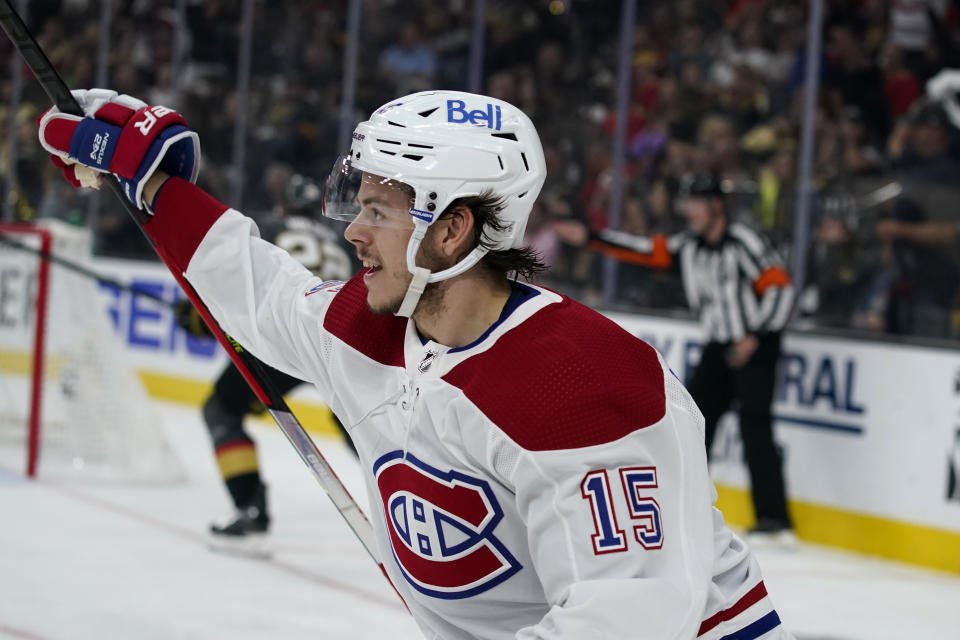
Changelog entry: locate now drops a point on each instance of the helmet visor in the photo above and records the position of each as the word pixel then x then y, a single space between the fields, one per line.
pixel 361 197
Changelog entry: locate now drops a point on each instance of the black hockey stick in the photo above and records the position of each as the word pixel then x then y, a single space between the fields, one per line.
pixel 252 370
pixel 83 271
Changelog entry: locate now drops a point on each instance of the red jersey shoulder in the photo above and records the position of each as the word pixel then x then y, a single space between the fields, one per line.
pixel 565 378
pixel 376 336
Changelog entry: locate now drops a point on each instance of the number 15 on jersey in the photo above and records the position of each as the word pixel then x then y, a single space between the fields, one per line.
pixel 644 511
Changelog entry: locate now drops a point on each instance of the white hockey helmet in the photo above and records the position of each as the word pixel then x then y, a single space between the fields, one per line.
pixel 444 145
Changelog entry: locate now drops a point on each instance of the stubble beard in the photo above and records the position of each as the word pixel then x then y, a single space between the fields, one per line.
pixel 390 307
pixel 431 300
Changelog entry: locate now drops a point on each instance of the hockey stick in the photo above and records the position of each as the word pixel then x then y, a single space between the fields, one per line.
pixel 83 271
pixel 849 204
pixel 877 197
pixel 251 369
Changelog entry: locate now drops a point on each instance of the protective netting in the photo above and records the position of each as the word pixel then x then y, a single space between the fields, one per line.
pixel 96 420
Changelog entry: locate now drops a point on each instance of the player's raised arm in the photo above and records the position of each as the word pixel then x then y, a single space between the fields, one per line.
pixel 253 289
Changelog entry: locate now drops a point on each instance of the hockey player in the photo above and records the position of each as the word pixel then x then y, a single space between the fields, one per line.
pixel 315 246
pixel 737 284
pixel 533 470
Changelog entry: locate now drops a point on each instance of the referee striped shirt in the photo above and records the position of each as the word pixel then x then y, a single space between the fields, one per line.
pixel 737 286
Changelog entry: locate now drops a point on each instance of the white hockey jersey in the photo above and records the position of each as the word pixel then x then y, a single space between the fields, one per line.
pixel 547 481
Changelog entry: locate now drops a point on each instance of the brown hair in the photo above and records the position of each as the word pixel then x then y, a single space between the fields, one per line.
pixel 523 262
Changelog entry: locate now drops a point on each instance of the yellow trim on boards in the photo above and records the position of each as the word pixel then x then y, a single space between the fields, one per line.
pixel 15 361
pixel 817 523
pixel 884 537
pixel 20 363
pixel 316 419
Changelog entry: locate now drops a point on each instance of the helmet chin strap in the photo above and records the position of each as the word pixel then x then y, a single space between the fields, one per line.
pixel 422 276
pixel 414 291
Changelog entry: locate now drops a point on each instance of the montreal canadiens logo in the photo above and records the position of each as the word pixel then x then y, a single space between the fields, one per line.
pixel 441 527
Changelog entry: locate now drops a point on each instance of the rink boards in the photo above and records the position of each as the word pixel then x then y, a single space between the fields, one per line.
pixel 870 431
pixel 870 434
pixel 172 364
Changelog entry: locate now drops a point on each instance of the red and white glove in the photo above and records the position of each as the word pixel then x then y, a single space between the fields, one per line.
pixel 122 136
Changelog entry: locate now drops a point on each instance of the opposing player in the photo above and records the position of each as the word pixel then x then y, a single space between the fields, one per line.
pixel 315 246
pixel 533 470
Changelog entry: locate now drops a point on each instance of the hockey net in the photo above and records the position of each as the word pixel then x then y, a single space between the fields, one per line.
pixel 71 405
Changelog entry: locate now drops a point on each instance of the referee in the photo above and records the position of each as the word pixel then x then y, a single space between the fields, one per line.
pixel 736 282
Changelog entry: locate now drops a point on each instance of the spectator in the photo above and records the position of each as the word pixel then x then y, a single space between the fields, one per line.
pixel 859 154
pixel 924 230
pixel 712 91
pixel 900 86
pixel 856 77
pixel 844 275
pixel 777 194
pixel 408 64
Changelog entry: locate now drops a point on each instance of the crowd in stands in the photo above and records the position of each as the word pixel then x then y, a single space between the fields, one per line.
pixel 716 86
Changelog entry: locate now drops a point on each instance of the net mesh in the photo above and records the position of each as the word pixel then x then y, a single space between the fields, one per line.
pixel 96 420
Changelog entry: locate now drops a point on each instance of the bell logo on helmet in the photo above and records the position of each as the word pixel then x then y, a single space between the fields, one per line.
pixel 453 144
pixel 489 118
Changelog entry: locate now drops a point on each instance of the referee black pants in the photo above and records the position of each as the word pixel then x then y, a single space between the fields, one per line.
pixel 714 385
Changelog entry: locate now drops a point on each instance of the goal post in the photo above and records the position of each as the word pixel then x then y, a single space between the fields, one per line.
pixel 42 240
pixel 71 404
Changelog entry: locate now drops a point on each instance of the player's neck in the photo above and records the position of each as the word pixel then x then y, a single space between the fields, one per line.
pixel 463 309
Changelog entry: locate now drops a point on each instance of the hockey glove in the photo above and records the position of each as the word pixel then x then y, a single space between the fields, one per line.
pixel 123 136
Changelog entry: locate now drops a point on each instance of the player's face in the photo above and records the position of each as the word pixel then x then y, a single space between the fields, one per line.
pixel 380 234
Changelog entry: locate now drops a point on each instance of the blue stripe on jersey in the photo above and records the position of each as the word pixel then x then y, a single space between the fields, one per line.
pixel 755 629
pixel 519 294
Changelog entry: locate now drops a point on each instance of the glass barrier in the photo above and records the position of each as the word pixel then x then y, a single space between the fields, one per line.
pixel 713 87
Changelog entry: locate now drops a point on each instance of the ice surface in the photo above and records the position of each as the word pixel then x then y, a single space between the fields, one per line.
pixel 84 561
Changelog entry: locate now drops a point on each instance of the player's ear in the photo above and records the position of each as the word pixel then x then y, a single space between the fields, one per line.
pixel 455 229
